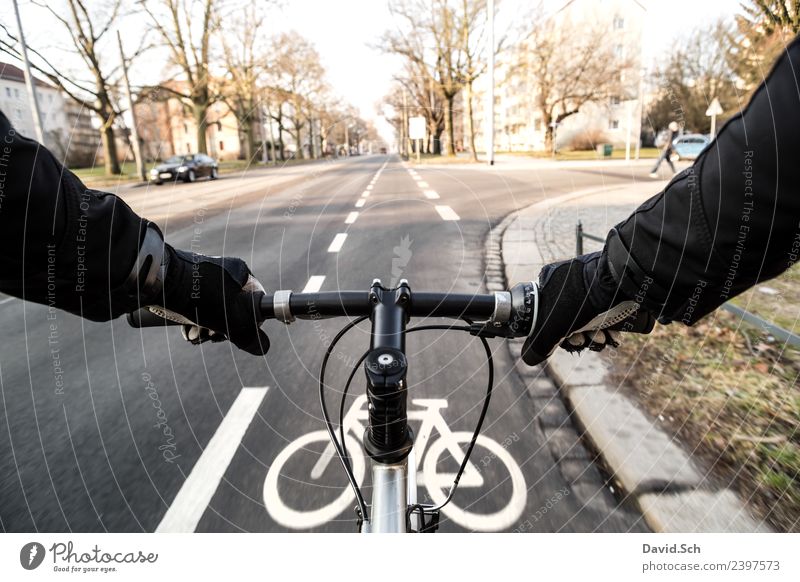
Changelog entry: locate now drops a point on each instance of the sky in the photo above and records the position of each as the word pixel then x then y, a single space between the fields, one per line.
pixel 345 33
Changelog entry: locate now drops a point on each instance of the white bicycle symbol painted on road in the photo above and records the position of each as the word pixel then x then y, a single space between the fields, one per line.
pixel 437 483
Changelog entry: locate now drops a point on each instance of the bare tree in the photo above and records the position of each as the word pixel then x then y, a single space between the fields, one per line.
pixel 428 38
pixel 697 71
pixel 87 30
pixel 189 44
pixel 569 70
pixel 245 61
pixel 295 71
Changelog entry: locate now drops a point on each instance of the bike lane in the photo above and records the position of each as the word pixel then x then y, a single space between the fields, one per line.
pixel 280 478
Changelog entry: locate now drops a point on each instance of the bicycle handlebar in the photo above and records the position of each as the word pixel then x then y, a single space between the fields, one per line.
pixel 285 305
pixel 503 313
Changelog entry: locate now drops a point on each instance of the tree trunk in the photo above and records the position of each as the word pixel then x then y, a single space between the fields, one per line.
pixel 200 109
pixel 437 143
pixel 110 150
pixel 249 136
pixel 448 125
pixel 547 120
pixel 298 135
pixel 470 122
pixel 280 142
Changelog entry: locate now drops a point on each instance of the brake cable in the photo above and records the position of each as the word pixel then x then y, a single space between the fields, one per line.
pixel 347 469
pixel 490 360
pixel 341 447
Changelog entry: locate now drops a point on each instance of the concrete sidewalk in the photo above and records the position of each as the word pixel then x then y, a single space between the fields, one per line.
pixel 673 494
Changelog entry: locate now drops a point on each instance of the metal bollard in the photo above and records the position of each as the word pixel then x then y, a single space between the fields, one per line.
pixel 578 239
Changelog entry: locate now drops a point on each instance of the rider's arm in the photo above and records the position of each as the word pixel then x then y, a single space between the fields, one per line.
pixel 61 243
pixel 729 221
pixel 717 229
pixel 86 252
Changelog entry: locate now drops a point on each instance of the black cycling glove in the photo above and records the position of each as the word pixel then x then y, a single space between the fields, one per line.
pixel 579 306
pixel 218 296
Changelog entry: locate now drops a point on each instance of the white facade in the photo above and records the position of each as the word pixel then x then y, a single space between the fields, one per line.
pixel 518 122
pixel 14 102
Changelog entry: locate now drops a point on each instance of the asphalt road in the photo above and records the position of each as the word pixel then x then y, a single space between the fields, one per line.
pixel 106 428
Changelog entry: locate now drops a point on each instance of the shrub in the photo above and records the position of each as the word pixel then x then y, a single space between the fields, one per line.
pixel 588 139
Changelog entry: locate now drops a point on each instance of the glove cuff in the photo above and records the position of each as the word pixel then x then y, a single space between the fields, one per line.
pixel 145 282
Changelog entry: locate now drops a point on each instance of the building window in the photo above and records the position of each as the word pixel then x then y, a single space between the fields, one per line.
pixel 619 51
pixel 186 129
pixel 188 148
pixel 18 113
pixel 619 23
pixel 615 100
pixel 16 93
pixel 613 124
pixel 8 91
pixel 221 146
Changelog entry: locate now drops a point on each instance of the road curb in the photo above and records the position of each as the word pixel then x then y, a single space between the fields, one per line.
pixel 672 493
pixel 573 460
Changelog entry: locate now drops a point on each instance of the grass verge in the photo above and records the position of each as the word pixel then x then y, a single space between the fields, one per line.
pixel 731 395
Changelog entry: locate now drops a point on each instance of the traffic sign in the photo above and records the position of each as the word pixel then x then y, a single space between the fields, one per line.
pixel 416 127
pixel 714 109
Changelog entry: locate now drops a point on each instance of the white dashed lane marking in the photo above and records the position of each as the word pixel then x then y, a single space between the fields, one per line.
pixel 314 284
pixel 196 492
pixel 365 193
pixel 337 243
pixel 423 184
pixel 447 213
pixel 432 194
pixel 351 218
pixel 360 202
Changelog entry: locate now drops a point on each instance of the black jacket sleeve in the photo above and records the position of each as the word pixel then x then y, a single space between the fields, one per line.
pixel 61 244
pixel 729 221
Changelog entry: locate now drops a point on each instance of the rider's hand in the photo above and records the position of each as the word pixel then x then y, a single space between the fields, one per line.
pixel 578 301
pixel 218 294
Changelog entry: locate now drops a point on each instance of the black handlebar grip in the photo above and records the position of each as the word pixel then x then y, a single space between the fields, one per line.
pixel 145 318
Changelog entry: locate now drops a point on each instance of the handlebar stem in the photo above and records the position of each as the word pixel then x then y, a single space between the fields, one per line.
pixel 388 438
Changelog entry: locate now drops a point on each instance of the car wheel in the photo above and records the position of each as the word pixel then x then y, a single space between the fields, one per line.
pixel 190 176
pixel 158 183
pixel 213 173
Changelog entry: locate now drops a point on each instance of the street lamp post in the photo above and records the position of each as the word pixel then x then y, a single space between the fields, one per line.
pixel 37 116
pixel 490 98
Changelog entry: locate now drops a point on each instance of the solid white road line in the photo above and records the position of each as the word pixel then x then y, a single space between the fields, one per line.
pixel 447 213
pixel 351 218
pixel 6 300
pixel 432 194
pixel 423 184
pixel 360 202
pixel 196 492
pixel 337 243
pixel 314 284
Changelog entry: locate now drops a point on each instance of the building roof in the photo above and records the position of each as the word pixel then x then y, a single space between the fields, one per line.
pixel 10 72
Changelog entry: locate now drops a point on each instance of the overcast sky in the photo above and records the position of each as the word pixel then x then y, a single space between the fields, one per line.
pixel 345 32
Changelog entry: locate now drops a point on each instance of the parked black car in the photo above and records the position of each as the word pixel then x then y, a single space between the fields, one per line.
pixel 187 167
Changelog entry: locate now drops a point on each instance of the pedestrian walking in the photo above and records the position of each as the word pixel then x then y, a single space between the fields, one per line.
pixel 666 150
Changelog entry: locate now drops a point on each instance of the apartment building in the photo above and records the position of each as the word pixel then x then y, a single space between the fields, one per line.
pixel 519 125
